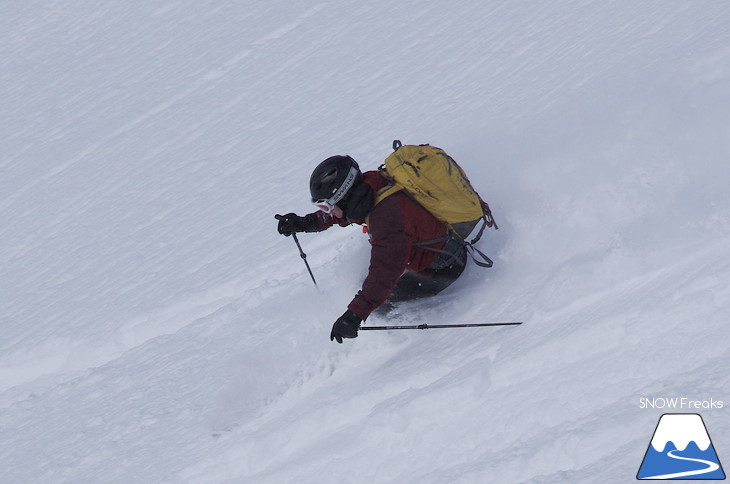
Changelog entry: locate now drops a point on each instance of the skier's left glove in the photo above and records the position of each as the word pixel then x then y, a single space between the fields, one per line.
pixel 346 326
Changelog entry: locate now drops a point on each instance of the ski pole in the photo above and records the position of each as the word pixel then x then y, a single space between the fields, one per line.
pixel 438 326
pixel 304 258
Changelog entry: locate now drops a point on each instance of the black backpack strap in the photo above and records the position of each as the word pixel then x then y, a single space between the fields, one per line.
pixel 453 246
pixel 485 262
pixel 487 221
pixel 485 224
pixel 473 252
pixel 453 235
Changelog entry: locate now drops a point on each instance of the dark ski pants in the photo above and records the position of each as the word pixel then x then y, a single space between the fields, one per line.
pixel 415 285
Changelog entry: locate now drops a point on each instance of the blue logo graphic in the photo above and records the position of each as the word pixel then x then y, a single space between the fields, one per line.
pixel 681 449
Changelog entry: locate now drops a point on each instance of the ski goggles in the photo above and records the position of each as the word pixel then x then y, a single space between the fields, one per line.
pixel 324 205
pixel 328 204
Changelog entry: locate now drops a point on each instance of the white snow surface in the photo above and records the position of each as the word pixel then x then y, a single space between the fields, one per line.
pixel 155 328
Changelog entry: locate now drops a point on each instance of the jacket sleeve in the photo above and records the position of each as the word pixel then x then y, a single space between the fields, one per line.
pixel 388 257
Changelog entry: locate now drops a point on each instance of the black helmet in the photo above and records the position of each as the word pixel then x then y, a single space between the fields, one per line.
pixel 333 179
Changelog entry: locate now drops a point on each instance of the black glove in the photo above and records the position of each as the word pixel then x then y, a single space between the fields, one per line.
pixel 291 223
pixel 346 326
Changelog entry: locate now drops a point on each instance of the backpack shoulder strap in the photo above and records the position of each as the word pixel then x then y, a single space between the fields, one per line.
pixel 385 192
pixel 389 189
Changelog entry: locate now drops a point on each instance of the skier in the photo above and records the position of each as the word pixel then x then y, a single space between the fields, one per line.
pixel 412 255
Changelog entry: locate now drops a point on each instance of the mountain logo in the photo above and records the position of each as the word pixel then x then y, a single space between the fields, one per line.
pixel 681 449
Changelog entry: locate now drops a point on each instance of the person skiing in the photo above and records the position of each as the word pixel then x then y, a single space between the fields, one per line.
pixel 413 254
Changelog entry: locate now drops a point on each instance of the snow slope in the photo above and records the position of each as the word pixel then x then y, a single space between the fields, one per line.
pixel 156 328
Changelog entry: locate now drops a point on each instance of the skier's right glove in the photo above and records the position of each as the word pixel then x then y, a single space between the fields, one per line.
pixel 292 223
pixel 346 326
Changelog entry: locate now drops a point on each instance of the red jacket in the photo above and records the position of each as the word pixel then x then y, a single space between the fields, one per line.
pixel 395 225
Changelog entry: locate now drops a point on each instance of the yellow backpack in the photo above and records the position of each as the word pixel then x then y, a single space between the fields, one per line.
pixel 435 181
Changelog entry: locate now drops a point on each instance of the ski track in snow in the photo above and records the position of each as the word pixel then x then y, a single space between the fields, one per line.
pixel 155 328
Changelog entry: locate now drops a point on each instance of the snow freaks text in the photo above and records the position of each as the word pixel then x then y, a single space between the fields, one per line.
pixel 679 403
